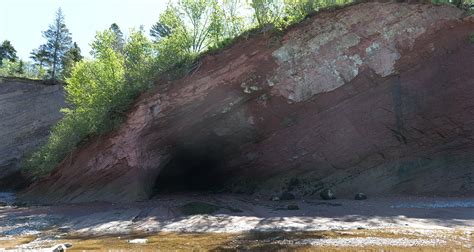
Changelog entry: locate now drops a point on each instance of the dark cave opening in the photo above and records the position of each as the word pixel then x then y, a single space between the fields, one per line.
pixel 192 168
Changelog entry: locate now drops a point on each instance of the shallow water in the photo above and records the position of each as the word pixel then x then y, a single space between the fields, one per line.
pixel 7 197
pixel 466 203
pixel 261 241
pixel 402 224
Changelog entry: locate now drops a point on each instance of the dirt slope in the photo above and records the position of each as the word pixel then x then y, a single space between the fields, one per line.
pixel 375 97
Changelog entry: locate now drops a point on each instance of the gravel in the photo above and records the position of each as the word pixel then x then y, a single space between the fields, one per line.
pixel 438 204
pixel 364 242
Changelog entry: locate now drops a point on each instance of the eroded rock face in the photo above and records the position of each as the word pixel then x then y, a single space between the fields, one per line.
pixel 333 50
pixel 375 97
pixel 28 110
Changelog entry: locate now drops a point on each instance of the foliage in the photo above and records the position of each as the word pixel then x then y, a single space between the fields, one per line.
pixel 233 19
pixel 40 56
pixel 193 24
pixel 267 12
pixel 20 69
pixel 119 40
pixel 72 56
pixel 57 45
pixel 7 52
pixel 98 93
pixel 471 37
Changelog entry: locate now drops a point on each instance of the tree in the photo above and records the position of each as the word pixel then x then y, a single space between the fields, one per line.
pixel 119 40
pixel 159 31
pixel 234 22
pixel 204 20
pixel 72 56
pixel 7 52
pixel 193 25
pixel 40 56
pixel 267 11
pixel 58 43
pixel 21 68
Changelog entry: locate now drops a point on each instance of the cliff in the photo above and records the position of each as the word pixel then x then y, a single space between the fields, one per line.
pixel 28 110
pixel 375 97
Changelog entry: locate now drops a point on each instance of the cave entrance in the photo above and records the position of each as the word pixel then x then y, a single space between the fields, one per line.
pixel 193 168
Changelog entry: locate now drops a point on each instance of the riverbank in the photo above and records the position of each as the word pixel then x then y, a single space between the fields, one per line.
pixel 244 222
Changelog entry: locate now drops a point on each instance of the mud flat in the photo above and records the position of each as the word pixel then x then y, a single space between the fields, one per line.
pixel 234 222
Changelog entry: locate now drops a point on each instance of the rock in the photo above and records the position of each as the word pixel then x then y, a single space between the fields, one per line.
pixel 28 110
pixel 138 241
pixel 362 86
pixel 60 247
pixel 195 208
pixel 293 207
pixel 287 196
pixel 2 204
pixel 327 194
pixel 360 196
pixel 20 204
pixel 275 198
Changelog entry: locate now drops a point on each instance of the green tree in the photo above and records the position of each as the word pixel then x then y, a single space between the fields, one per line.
pixel 267 12
pixel 41 61
pixel 119 40
pixel 72 56
pixel 7 51
pixel 159 31
pixel 58 43
pixel 99 92
pixel 193 25
pixel 19 68
pixel 234 21
pixel 40 56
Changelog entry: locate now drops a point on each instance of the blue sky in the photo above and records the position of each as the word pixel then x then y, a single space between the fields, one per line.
pixel 22 21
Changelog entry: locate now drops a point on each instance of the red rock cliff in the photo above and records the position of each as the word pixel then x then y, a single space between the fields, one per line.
pixel 376 97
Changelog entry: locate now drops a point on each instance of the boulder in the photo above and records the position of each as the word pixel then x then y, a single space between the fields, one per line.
pixel 287 196
pixel 327 194
pixel 360 196
pixel 293 207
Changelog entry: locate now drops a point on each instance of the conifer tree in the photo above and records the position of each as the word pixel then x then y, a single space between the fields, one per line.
pixel 7 52
pixel 72 56
pixel 58 44
pixel 119 40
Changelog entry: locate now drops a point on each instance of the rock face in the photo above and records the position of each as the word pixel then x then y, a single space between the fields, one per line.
pixel 28 109
pixel 375 97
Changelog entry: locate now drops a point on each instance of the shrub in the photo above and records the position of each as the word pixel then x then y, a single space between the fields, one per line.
pixel 98 93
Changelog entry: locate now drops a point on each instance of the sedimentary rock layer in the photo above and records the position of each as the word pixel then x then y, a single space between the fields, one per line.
pixel 28 110
pixel 375 97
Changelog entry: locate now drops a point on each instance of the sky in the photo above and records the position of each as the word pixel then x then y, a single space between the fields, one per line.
pixel 22 21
